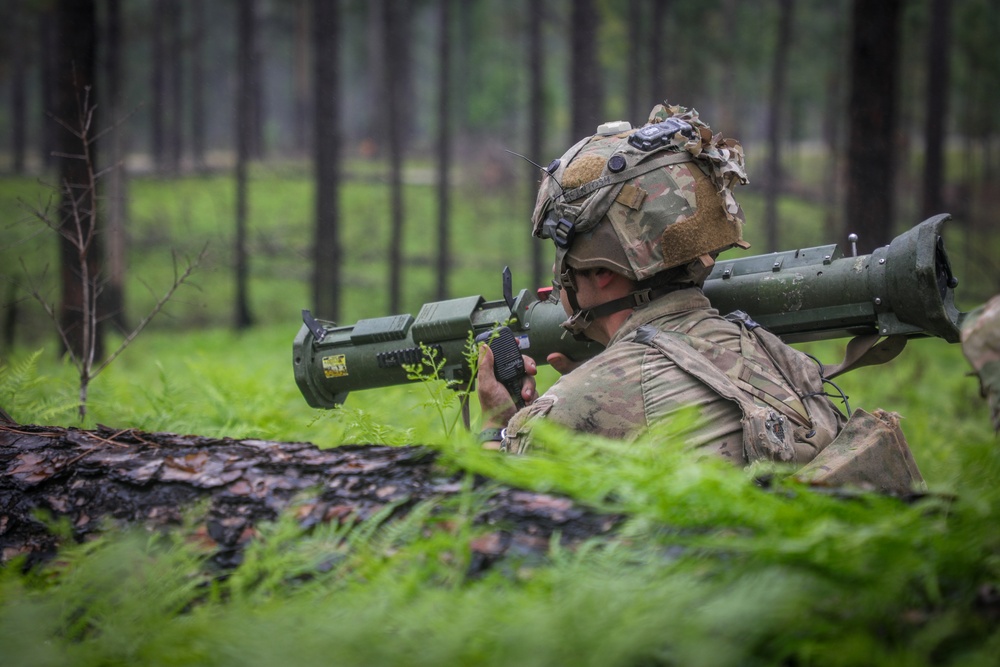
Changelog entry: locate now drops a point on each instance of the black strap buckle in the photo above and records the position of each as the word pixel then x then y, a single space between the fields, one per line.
pixel 563 233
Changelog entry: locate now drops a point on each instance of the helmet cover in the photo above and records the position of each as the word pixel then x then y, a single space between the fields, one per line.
pixel 642 201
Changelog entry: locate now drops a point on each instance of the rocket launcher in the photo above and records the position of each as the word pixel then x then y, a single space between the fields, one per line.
pixel 900 291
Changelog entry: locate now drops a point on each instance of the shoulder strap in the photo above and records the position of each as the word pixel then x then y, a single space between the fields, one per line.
pixel 764 433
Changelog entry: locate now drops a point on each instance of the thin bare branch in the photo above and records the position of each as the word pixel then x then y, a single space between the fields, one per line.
pixel 71 156
pixel 178 281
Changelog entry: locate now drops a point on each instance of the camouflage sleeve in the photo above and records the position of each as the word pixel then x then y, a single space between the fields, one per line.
pixel 517 435
pixel 981 346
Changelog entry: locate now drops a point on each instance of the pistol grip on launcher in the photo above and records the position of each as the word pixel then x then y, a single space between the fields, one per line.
pixel 508 365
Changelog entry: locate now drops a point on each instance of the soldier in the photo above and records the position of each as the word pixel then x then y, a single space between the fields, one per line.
pixel 637 218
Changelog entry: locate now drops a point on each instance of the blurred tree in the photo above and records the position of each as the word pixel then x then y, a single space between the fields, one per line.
pixel 173 83
pixel 16 47
pixel 327 251
pixel 872 117
pixel 396 25
pixel 48 50
pixel 634 98
pixel 254 91
pixel 535 12
pixel 375 79
pixel 303 40
pixel 244 140
pixel 587 97
pixel 936 107
pixel 198 115
pixel 114 292
pixel 775 121
pixel 158 84
pixel 657 68
pixel 443 147
pixel 834 45
pixel 79 243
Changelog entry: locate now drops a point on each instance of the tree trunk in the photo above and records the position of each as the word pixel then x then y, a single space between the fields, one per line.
pixel 254 96
pixel 443 149
pixel 174 84
pixel 79 244
pixel 114 292
pixel 375 81
pixel 198 86
pixel 729 116
pixel 396 56
pixel 157 122
pixel 659 67
pixel 327 252
pixel 634 99
pixel 536 125
pixel 302 76
pixel 244 120
pixel 779 77
pixel 936 107
pixel 585 71
pixel 95 479
pixel 47 33
pixel 18 96
pixel 872 117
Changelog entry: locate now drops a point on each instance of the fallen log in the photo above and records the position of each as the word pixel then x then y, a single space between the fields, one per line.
pixel 107 477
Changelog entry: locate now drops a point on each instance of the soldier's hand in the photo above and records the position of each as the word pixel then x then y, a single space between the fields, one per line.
pixel 497 405
pixel 561 362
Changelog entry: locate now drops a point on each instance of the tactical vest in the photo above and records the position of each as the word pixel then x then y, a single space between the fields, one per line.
pixel 787 416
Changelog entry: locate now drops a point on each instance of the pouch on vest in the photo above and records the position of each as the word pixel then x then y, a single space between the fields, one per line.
pixel 870 453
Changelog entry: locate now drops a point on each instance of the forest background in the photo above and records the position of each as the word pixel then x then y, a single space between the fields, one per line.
pixel 351 158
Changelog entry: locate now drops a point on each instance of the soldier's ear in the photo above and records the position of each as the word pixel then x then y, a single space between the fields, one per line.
pixel 604 277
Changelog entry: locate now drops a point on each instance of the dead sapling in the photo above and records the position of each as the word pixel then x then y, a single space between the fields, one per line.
pixel 76 221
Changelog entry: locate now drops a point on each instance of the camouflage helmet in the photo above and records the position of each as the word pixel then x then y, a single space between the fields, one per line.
pixel 641 201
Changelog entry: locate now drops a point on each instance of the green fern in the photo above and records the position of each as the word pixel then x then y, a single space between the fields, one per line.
pixel 444 395
pixel 30 397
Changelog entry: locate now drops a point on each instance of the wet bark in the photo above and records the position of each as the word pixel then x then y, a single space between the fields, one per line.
pixel 103 478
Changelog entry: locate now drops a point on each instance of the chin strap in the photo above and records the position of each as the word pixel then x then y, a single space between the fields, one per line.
pixel 583 318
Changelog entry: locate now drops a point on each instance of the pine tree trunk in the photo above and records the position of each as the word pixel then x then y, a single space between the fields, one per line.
pixel 585 71
pixel 396 56
pixel 114 292
pixel 18 95
pixel 104 478
pixel 444 149
pixel 157 123
pixel 198 86
pixel 936 107
pixel 327 251
pixel 79 244
pixel 536 125
pixel 779 77
pixel 244 130
pixel 872 116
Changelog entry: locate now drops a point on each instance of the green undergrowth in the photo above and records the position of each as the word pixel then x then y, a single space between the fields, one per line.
pixel 708 568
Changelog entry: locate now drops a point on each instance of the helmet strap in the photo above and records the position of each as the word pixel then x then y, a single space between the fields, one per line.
pixel 583 318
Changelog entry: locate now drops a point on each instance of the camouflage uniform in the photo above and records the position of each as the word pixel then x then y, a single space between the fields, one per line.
pixel 981 345
pixel 631 385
